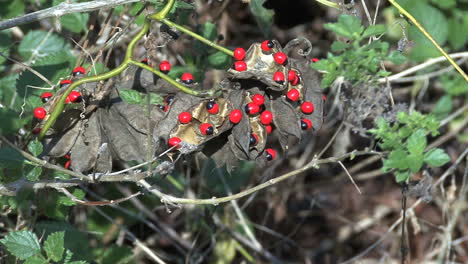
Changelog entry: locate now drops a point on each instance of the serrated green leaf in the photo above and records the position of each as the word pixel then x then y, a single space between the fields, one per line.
pixel 417 142
pixel 263 16
pixel 338 46
pixel 41 44
pixel 10 122
pixel 10 158
pixel 436 157
pixel 347 26
pixel 33 172
pixel 35 147
pixel 76 22
pixel 116 255
pixel 5 44
pixel 156 98
pixel 209 31
pixel 374 30
pixel 131 96
pixel 402 176
pixel 22 244
pixel 219 60
pixel 39 259
pixel 53 246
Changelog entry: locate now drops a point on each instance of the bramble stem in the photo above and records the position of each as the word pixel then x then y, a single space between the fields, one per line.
pixel 421 28
pixel 163 13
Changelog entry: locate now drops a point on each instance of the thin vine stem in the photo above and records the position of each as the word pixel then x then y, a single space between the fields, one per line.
pixel 329 4
pixel 198 37
pixel 421 28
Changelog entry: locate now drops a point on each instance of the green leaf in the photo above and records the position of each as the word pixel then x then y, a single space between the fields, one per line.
pixel 219 60
pixel 263 16
pixel 402 176
pixel 436 157
pixel 397 159
pixel 347 26
pixel 415 161
pixel 131 96
pixel 10 158
pixel 39 259
pixel 116 255
pixel 456 27
pixel 11 8
pixel 417 142
pixel 338 46
pixel 76 22
pixel 454 84
pixel 65 200
pixel 5 44
pixel 53 246
pixel 22 244
pixel 396 57
pixel 374 30
pixel 156 98
pixel 443 107
pixel 209 31
pixel 33 172
pixel 35 147
pixel 41 43
pixel 10 121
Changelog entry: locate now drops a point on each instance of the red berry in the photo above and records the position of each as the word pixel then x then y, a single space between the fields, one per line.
pixel 291 75
pixel 240 66
pixel 40 113
pixel 46 96
pixel 315 60
pixel 235 116
pixel 307 107
pixel 306 124
pixel 267 45
pixel 293 95
pixel 185 117
pixel 65 83
pixel 266 117
pixel 278 77
pixel 280 57
pixel 212 107
pixel 67 165
pixel 295 81
pixel 165 67
pixel 252 108
pixel 74 97
pixel 79 71
pixel 239 54
pixel 169 99
pixel 187 78
pixel 268 128
pixel 36 131
pixel 144 61
pixel 206 129
pixel 270 154
pixel 253 139
pixel 258 99
pixel 174 141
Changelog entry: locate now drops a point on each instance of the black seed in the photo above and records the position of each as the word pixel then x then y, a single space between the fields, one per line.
pixel 304 125
pixel 189 81
pixel 253 140
pixel 169 99
pixel 280 82
pixel 210 104
pixel 269 157
pixel 270 44
pixel 45 99
pixel 209 131
pixel 161 107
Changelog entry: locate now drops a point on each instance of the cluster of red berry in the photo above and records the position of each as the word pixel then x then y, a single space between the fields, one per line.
pixel 73 97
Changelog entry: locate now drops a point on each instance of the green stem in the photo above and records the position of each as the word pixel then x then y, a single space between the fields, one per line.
pixel 163 13
pixel 61 103
pixel 421 28
pixel 329 3
pixel 200 38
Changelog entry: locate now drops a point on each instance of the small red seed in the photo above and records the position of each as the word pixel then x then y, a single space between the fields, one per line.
pixel 65 83
pixel 187 78
pixel 40 113
pixel 67 165
pixel 165 67
pixel 269 129
pixel 291 75
pixel 46 96
pixel 36 131
pixel 258 99
pixel 267 45
pixel 239 54
pixel 253 139
pixel 252 108
pixel 266 117
pixel 293 95
pixel 74 97
pixel 307 108
pixel 79 71
pixel 306 124
pixel 240 66
pixel 174 141
pixel 235 116
pixel 185 117
pixel 212 107
pixel 270 154
pixel 206 129
pixel 315 60
pixel 280 58
pixel 278 77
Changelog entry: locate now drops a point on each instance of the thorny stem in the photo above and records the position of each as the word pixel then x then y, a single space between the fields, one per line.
pixel 421 28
